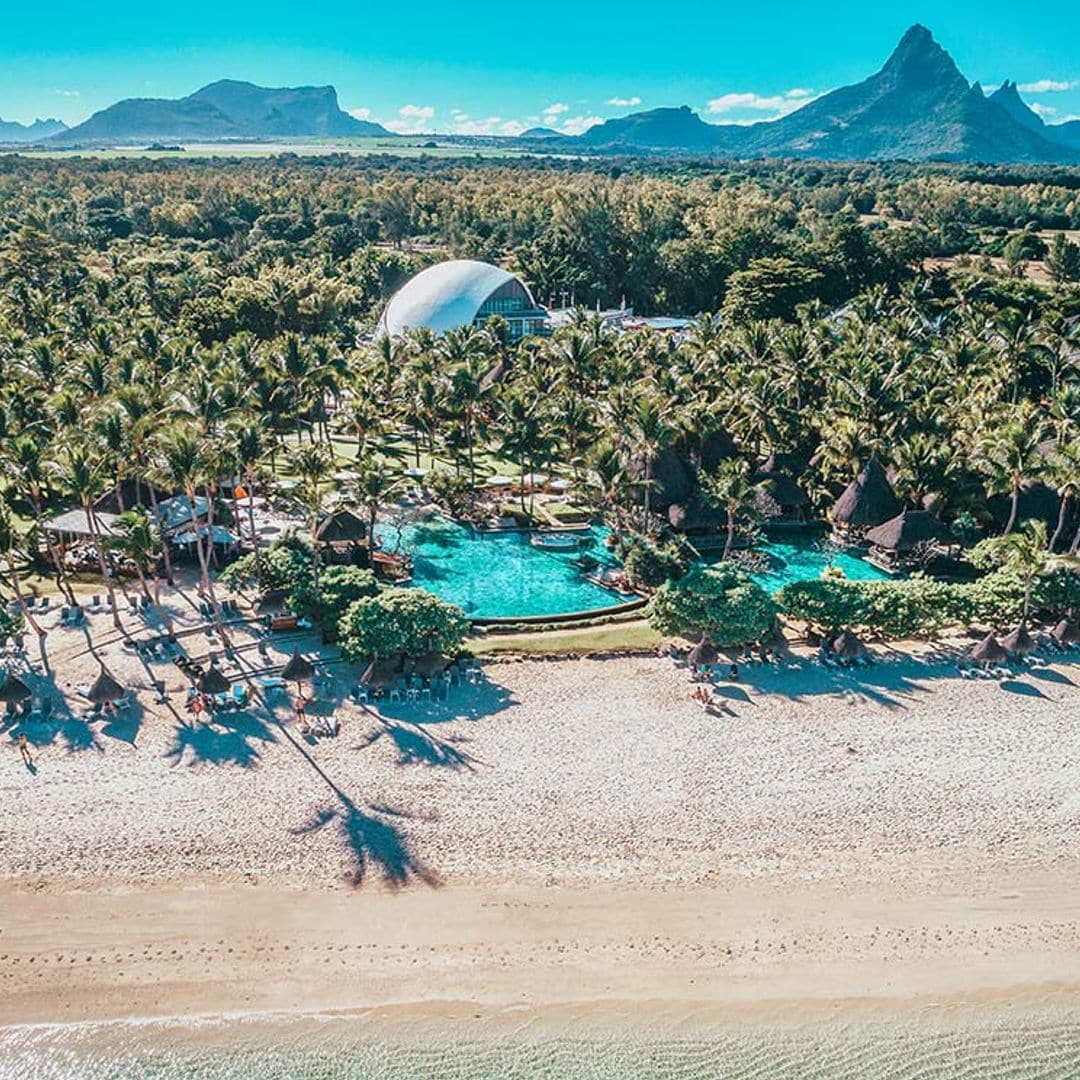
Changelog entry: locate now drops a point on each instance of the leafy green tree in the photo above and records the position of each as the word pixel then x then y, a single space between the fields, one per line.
pixel 720 601
pixel 1024 553
pixel 339 588
pixel 396 622
pixel 1063 260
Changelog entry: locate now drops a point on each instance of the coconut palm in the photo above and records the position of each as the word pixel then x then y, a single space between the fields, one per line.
pixel 1025 552
pixel 731 487
pixel 1008 456
pixel 10 547
pixel 136 540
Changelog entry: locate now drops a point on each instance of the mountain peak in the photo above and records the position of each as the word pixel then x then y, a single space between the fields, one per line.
pixel 1007 95
pixel 919 62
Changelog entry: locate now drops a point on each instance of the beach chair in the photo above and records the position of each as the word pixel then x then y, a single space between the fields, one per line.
pixel 43 604
pixel 133 605
pixel 395 693
pixel 240 695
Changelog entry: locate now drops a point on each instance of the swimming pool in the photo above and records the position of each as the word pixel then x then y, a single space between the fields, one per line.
pixel 499 575
pixel 806 561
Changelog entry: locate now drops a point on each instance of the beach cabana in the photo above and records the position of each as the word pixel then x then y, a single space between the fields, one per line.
pixel 1019 642
pixel 299 669
pixel 341 535
pixel 75 525
pixel 867 501
pixel 1066 632
pixel 13 691
pixel 989 651
pixel 905 533
pixel 105 690
pixel 212 682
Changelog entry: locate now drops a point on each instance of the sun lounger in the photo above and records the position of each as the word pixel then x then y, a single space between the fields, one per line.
pixel 271 682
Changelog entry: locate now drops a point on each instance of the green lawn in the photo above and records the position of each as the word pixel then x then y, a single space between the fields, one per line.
pixel 629 635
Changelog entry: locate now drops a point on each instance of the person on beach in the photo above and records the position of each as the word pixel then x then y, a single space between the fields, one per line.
pixel 733 674
pixel 300 705
pixel 24 749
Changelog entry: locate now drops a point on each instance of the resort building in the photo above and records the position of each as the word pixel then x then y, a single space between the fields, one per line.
pixel 459 293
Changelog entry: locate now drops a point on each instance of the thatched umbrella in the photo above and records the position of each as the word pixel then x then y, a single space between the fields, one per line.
pixel 847 646
pixel 908 530
pixel 298 669
pixel 1066 632
pixel 703 653
pixel 14 691
pixel 989 651
pixel 212 682
pixel 868 500
pixel 341 527
pixel 1019 642
pixel 105 689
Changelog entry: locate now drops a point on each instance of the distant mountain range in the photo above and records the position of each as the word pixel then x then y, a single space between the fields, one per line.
pixel 11 131
pixel 918 106
pixel 222 110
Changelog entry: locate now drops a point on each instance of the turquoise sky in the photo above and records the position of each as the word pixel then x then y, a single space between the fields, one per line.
pixel 489 66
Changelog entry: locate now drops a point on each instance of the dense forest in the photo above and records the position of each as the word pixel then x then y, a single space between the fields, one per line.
pixel 183 319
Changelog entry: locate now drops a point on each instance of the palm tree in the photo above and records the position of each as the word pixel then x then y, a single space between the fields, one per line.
pixel 1008 456
pixel 80 475
pixel 249 451
pixel 181 466
pixel 1064 473
pixel 10 543
pixel 649 434
pixel 731 487
pixel 135 539
pixel 1024 552
pixel 313 464
pixel 375 484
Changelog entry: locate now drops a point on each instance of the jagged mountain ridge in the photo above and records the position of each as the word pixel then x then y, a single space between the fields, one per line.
pixel 11 131
pixel 918 106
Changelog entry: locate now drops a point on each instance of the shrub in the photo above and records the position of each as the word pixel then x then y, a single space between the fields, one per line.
pixel 720 601
pixel 827 603
pixel 409 621
pixel 650 565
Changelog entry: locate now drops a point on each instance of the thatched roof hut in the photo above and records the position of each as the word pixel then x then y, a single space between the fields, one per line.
pixel 908 530
pixel 868 500
pixel 1066 632
pixel 105 689
pixel 1019 642
pixel 298 669
pixel 1036 502
pixel 13 691
pixel 713 448
pixel 703 653
pixel 212 681
pixel 696 516
pixel 672 482
pixel 341 527
pixel 778 495
pixel 989 651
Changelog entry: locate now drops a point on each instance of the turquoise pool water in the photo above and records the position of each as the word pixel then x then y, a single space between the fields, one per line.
pixel 501 575
pixel 806 561
pixel 498 575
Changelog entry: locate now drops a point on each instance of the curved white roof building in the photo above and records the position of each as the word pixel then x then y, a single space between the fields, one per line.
pixel 462 292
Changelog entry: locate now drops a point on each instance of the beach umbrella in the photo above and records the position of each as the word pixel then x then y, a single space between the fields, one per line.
pixel 14 691
pixel 105 689
pixel 847 646
pixel 1066 632
pixel 298 669
pixel 498 481
pixel 703 653
pixel 1019 642
pixel 989 651
pixel 212 682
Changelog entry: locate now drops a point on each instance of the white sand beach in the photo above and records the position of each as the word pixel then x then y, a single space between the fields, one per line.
pixel 574 830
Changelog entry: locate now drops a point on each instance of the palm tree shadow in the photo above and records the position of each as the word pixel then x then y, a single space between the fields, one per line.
pixel 372 843
pixel 418 746
pixel 206 744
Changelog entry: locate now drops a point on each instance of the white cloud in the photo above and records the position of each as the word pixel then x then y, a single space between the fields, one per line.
pixel 412 120
pixel 418 112
pixel 68 93
pixel 575 125
pixel 555 110
pixel 1048 86
pixel 776 105
pixel 1042 110
pixel 490 125
pixel 360 114
pixel 512 127
pixel 624 102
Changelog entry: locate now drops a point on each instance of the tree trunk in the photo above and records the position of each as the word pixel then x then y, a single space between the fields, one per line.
pixel 95 535
pixel 54 556
pixel 1063 512
pixel 730 534
pixel 204 565
pixel 21 600
pixel 249 476
pixel 161 534
pixel 1014 507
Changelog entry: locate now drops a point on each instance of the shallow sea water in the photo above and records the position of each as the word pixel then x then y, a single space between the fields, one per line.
pixel 936 1045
